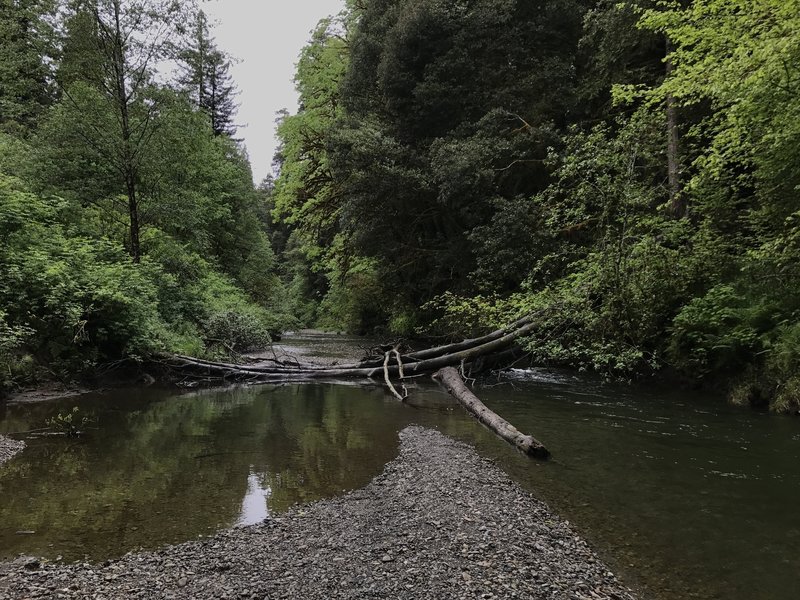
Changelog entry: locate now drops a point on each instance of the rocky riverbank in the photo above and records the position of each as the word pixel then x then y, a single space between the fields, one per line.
pixel 439 522
pixel 9 448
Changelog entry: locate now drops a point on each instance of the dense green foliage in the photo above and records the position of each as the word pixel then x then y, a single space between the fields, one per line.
pixel 129 223
pixel 27 40
pixel 628 171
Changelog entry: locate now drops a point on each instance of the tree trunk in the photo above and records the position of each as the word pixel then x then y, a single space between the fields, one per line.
pixel 452 382
pixel 677 202
pixel 471 343
pixel 133 209
pixel 128 160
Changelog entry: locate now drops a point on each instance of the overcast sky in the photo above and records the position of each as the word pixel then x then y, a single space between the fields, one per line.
pixel 266 36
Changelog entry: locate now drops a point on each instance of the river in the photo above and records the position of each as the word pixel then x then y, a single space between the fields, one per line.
pixel 684 496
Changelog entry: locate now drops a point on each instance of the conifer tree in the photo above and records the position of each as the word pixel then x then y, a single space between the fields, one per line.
pixel 206 77
pixel 26 47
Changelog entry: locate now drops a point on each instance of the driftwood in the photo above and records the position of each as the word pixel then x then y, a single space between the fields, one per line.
pixel 498 348
pixel 467 354
pixel 388 379
pixel 450 379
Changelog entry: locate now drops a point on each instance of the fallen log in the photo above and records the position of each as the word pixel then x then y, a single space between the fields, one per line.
pixel 395 393
pixel 450 379
pixel 429 353
pixel 285 373
pixel 469 343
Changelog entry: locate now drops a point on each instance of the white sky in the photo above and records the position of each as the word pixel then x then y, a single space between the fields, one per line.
pixel 266 36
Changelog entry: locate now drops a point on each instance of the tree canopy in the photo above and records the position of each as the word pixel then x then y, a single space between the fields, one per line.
pixel 627 170
pixel 130 223
pixel 206 77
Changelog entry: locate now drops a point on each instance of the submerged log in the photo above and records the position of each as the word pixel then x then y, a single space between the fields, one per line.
pixel 451 380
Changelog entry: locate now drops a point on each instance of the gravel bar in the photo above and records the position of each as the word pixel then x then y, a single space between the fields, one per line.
pixel 439 522
pixel 9 448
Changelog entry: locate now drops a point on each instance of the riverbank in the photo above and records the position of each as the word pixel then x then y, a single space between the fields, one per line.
pixel 9 448
pixel 439 522
pixel 46 393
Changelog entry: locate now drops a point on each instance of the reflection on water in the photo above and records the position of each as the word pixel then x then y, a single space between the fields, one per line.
pixel 162 468
pixel 255 505
pixel 685 496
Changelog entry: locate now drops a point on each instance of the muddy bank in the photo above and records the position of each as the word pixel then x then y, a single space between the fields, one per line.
pixel 9 448
pixel 440 522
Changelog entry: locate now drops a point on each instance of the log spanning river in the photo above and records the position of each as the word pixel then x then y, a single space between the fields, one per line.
pixel 684 496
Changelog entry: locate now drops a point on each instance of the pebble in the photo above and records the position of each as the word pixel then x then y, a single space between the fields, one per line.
pixel 445 523
pixel 9 448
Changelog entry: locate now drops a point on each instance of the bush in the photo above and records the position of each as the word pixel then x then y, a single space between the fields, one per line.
pixel 76 300
pixel 205 310
pixel 783 366
pixel 715 332
pixel 237 332
pixel 15 365
pixel 72 302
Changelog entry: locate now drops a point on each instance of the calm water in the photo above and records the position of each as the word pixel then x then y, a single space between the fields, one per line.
pixel 683 495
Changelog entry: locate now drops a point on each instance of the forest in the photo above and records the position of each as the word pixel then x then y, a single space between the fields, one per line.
pixel 625 172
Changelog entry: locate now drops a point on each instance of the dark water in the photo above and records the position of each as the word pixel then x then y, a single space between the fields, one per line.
pixel 683 495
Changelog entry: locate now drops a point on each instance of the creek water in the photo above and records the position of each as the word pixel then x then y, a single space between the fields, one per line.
pixel 684 496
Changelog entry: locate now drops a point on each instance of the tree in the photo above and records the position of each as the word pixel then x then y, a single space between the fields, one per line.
pixel 419 123
pixel 449 111
pixel 114 103
pixel 118 166
pixel 741 60
pixel 613 50
pixel 26 54
pixel 207 78
pixel 753 87
pixel 305 194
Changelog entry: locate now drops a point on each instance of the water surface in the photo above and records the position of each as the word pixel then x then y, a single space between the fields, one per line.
pixel 683 495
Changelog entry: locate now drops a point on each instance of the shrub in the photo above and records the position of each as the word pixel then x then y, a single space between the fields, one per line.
pixel 237 332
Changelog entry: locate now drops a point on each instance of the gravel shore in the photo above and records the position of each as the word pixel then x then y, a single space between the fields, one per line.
pixel 9 448
pixel 439 522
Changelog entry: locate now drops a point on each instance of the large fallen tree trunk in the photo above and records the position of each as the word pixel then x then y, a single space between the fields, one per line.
pixel 497 349
pixel 470 343
pixel 450 379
